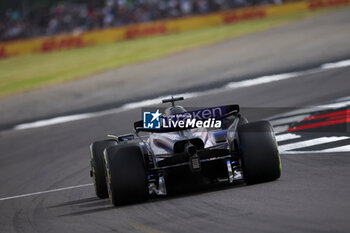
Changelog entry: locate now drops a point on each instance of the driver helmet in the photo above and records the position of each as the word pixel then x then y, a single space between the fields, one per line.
pixel 174 110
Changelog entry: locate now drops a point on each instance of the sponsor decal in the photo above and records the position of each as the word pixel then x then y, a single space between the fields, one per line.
pixel 3 53
pixel 152 29
pixel 314 5
pixel 235 16
pixel 55 43
pixel 202 118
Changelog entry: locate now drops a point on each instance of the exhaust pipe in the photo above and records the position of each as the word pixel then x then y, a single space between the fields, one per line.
pixel 194 161
pixel 190 150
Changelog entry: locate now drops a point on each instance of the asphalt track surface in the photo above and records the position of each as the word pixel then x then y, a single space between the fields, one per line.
pixel 313 194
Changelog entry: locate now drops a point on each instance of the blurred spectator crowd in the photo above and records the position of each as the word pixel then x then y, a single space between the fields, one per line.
pixel 78 17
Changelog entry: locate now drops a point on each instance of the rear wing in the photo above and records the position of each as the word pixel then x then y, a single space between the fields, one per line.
pixel 138 127
pixel 216 113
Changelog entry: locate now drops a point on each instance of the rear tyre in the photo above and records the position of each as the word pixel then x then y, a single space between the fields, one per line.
pixel 97 166
pixel 126 173
pixel 258 152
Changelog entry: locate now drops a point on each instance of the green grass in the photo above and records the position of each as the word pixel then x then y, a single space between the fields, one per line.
pixel 30 72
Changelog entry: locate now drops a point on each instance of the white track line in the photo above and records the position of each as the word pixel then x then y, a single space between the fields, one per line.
pixel 334 65
pixel 338 149
pixel 261 80
pixel 311 142
pixel 342 99
pixel 281 129
pixel 47 191
pixel 227 87
pixel 295 152
pixel 288 120
pixel 287 136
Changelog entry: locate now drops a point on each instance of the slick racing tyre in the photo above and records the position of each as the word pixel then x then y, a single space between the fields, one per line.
pixel 97 166
pixel 126 174
pixel 258 152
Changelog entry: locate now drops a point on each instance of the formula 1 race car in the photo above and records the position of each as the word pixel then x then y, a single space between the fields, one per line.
pixel 161 160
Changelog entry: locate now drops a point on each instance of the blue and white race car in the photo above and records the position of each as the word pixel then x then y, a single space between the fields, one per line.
pixel 157 161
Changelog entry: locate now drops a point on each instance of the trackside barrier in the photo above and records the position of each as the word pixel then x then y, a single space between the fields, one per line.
pixel 68 41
